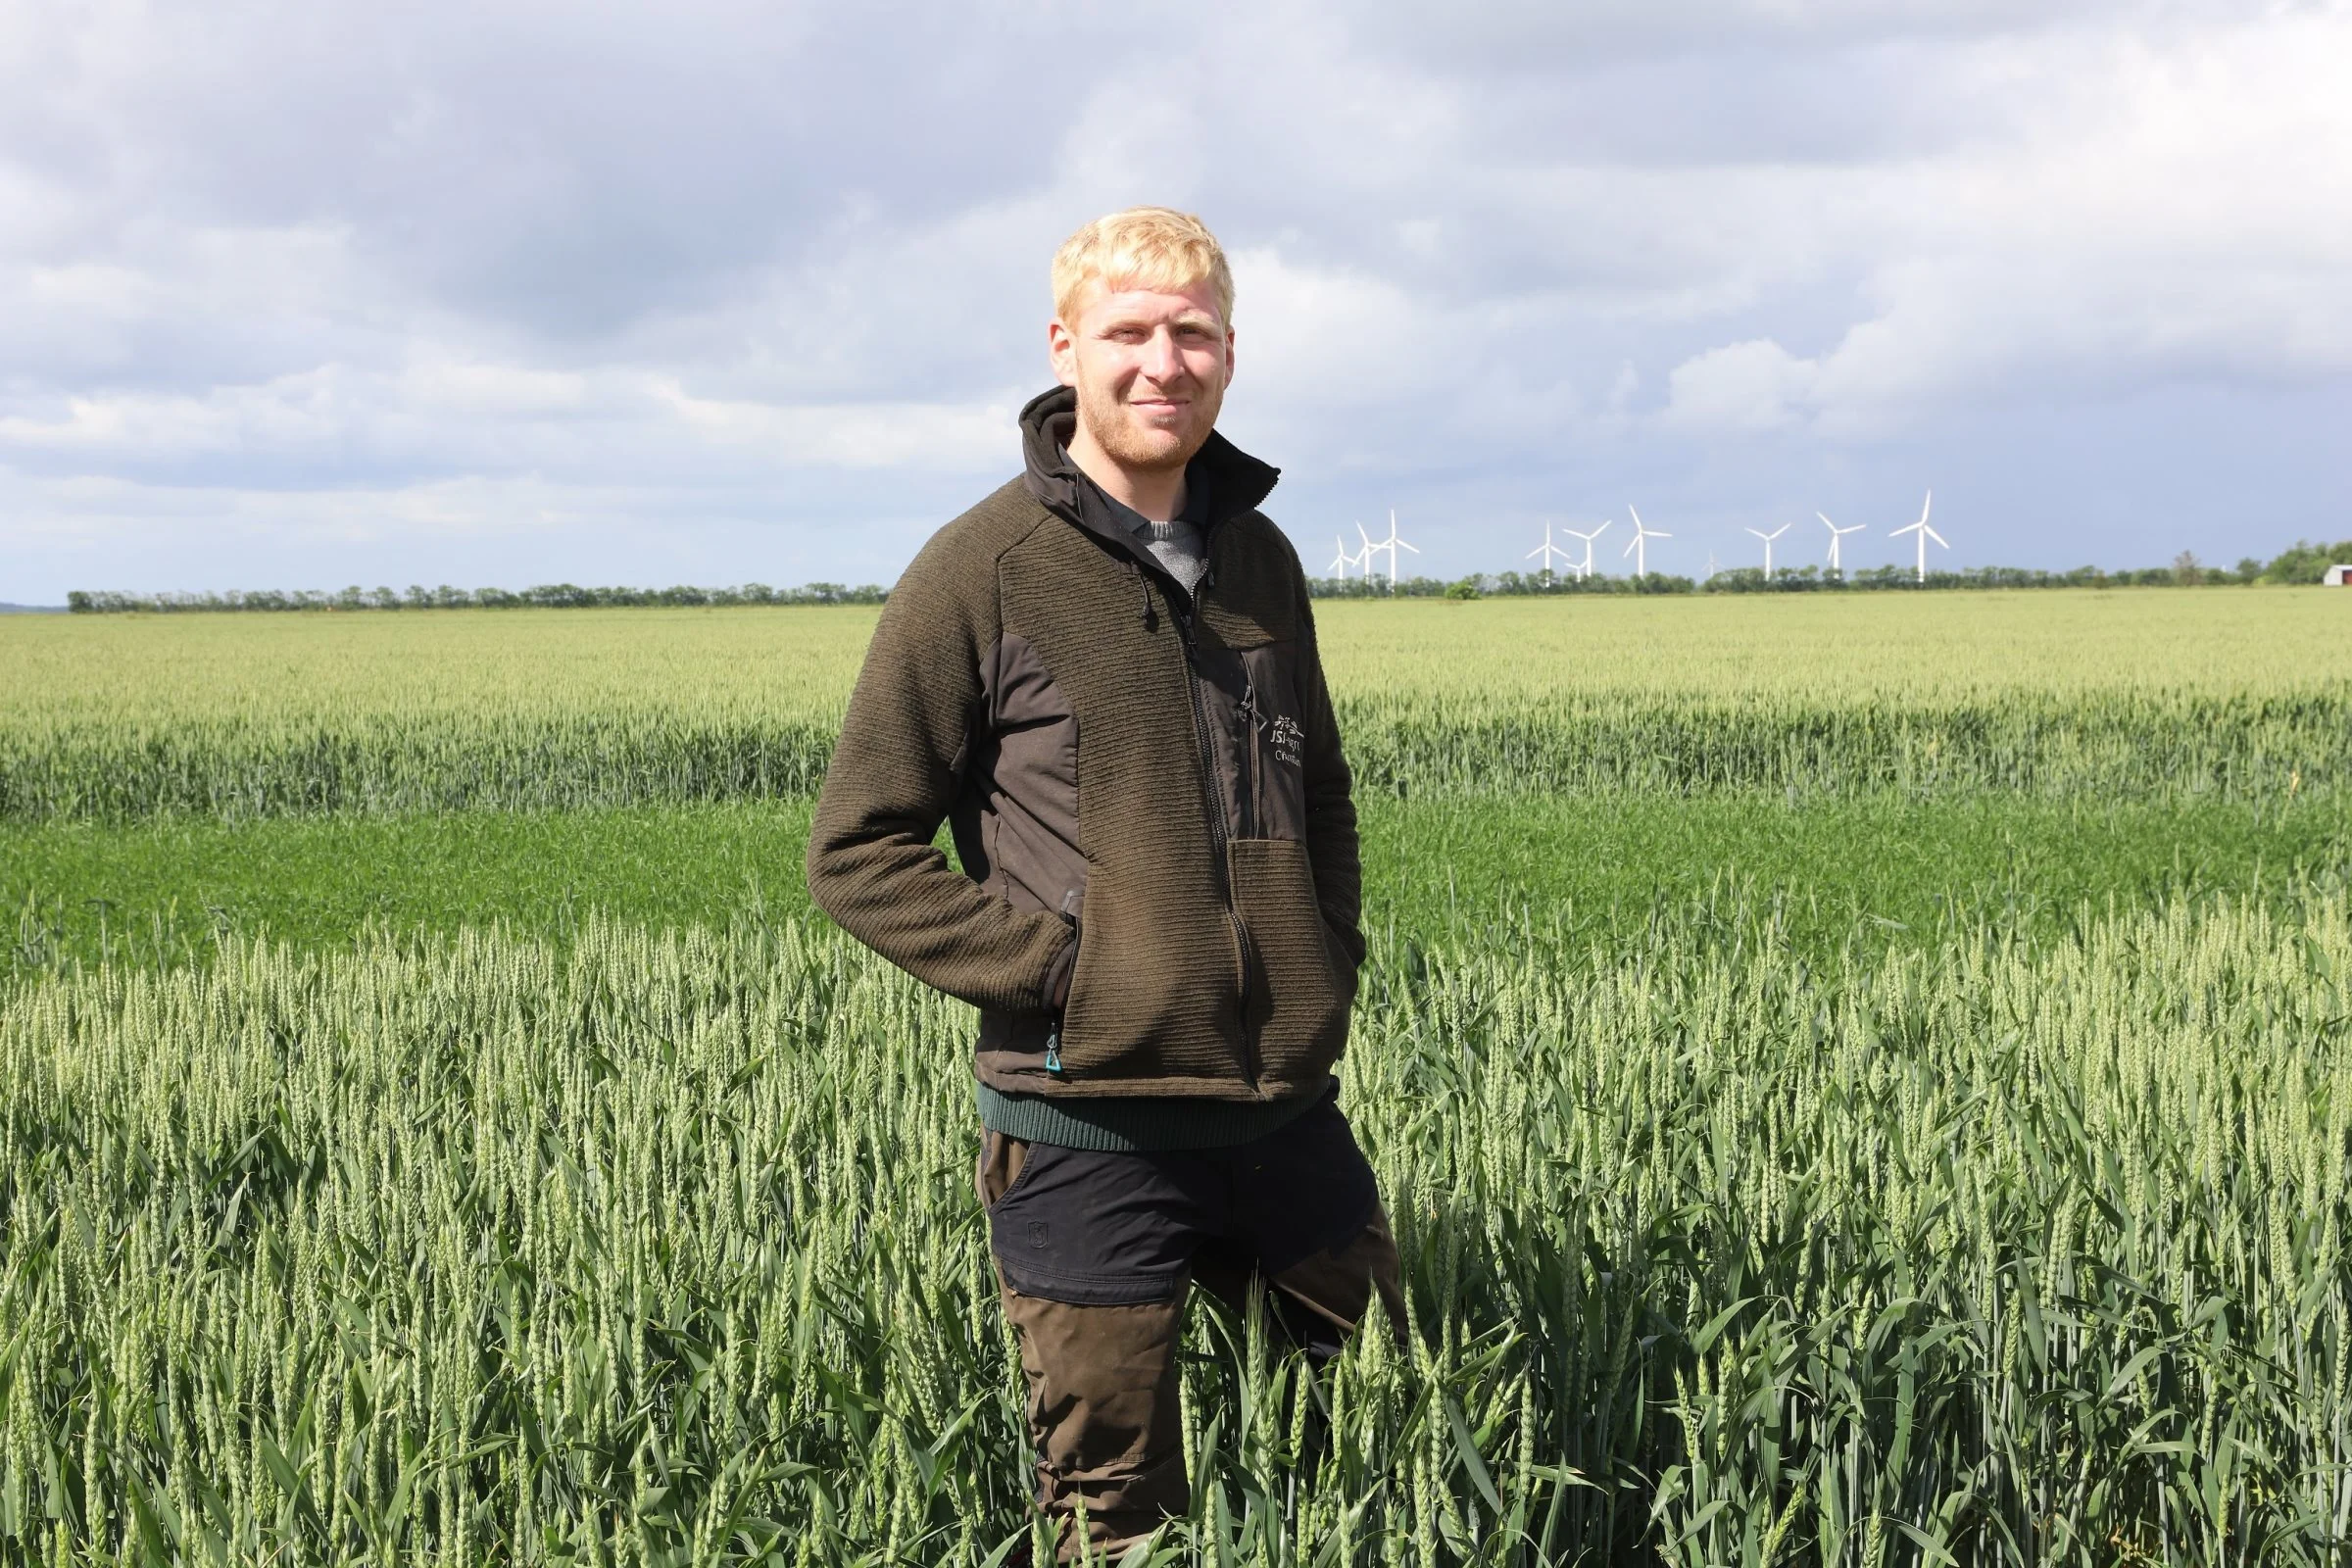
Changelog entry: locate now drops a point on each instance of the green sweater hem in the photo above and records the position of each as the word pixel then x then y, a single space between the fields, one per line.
pixel 1138 1124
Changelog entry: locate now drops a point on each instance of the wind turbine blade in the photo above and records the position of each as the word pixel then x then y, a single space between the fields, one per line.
pixel 1659 533
pixel 1628 506
pixel 1938 538
pixel 1628 545
pixel 1365 537
pixel 1603 528
pixel 1825 518
pixel 1542 549
pixel 1924 506
pixel 1401 545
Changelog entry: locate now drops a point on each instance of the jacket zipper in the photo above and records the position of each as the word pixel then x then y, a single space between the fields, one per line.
pixel 1069 918
pixel 1217 828
pixel 1249 756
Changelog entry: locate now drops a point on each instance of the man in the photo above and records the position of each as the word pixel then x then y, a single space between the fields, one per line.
pixel 1105 675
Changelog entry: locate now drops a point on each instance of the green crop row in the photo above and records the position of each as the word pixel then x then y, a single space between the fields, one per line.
pixel 2101 746
pixel 664 1249
pixel 1878 871
pixel 2057 695
pixel 2115 745
pixel 157 675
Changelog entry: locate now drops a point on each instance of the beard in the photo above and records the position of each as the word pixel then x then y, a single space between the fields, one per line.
pixel 1144 448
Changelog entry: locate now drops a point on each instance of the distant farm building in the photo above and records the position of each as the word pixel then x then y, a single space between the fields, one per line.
pixel 2338 576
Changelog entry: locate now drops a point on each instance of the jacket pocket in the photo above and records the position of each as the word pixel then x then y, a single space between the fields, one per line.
pixel 1277 737
pixel 1153 991
pixel 1302 987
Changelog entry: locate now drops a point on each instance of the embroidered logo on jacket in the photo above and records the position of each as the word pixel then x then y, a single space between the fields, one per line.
pixel 1288 738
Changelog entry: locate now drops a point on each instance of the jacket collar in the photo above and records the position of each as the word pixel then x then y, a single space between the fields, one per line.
pixel 1237 481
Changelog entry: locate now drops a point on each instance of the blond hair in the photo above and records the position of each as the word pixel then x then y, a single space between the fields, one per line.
pixel 1149 247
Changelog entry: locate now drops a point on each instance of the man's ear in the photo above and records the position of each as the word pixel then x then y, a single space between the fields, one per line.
pixel 1061 351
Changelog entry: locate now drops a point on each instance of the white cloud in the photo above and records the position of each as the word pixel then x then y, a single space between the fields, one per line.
pixel 1756 385
pixel 712 261
pixel 2191 220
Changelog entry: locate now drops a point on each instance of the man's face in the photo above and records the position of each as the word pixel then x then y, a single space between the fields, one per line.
pixel 1149 369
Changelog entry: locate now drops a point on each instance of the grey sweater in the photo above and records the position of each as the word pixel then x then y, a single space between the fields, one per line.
pixel 1177 543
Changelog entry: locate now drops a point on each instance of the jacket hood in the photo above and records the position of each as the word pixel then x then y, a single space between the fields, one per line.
pixel 1237 481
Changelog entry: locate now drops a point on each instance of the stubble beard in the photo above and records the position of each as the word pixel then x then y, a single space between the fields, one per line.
pixel 1107 419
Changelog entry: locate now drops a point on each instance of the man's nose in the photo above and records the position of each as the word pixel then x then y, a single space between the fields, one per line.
pixel 1161 361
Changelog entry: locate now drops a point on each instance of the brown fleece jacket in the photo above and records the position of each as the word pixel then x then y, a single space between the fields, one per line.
pixel 1161 873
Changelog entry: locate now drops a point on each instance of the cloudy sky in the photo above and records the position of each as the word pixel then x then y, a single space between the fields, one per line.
pixel 304 294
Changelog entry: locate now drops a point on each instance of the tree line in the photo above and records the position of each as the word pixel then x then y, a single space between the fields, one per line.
pixel 2303 563
pixel 547 596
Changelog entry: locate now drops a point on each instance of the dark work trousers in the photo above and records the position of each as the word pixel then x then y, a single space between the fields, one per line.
pixel 1096 1255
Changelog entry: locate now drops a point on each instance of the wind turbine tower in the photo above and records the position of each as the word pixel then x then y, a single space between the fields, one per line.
pixel 1836 533
pixel 1547 550
pixel 1639 548
pixel 1391 544
pixel 1341 559
pixel 1768 538
pixel 1925 534
pixel 1586 570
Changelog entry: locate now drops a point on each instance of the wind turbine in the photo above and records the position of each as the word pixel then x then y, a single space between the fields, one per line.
pixel 1639 548
pixel 1391 544
pixel 1547 550
pixel 1836 533
pixel 1585 570
pixel 1768 538
pixel 1925 534
pixel 1341 560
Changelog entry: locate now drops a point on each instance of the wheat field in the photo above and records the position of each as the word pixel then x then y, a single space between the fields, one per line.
pixel 2054 693
pixel 1729 1238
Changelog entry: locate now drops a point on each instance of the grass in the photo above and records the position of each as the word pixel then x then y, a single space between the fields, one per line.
pixel 1874 870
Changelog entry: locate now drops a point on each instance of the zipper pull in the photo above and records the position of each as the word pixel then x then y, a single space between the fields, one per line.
pixel 1072 901
pixel 1149 616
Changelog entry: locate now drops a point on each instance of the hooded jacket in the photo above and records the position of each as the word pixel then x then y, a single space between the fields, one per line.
pixel 1159 885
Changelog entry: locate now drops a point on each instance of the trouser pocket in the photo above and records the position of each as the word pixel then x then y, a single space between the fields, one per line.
pixel 1002 1159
